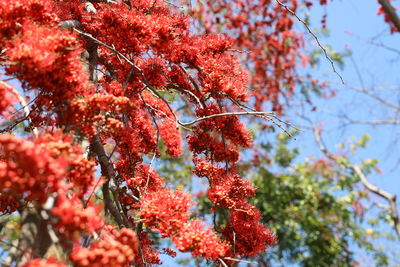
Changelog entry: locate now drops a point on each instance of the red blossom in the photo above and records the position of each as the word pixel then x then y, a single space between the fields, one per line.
pixel 114 249
pixel 50 262
pixel 74 218
pixel 247 233
pixel 28 169
pixel 201 242
pixel 7 99
pixel 165 211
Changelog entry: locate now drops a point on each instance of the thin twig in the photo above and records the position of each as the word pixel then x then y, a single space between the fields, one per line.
pixel 313 35
pixel 273 116
pixel 94 189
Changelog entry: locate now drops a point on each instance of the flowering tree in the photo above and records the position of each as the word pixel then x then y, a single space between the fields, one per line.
pixel 101 83
pixel 105 87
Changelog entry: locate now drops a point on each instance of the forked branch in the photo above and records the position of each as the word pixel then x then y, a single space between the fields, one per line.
pixel 390 198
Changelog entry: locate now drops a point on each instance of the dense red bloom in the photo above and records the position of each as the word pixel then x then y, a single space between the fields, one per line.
pixel 150 255
pixel 265 29
pixel 115 249
pixel 170 133
pixel 50 262
pixel 80 171
pixel 165 211
pixel 8 204
pixel 168 212
pixel 246 232
pixel 73 218
pixel 227 189
pixel 7 99
pixel 28 169
pixel 201 242
pixel 145 180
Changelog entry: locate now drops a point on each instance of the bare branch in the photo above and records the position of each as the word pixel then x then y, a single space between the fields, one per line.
pixel 376 97
pixel 245 113
pixel 222 262
pixel 239 260
pixel 377 122
pixel 107 170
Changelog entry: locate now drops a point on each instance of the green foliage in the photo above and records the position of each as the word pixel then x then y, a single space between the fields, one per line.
pixel 312 207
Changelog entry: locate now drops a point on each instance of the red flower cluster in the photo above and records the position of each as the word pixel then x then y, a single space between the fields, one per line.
pixel 168 212
pixel 7 99
pixel 246 232
pixel 227 190
pixel 79 170
pixel 205 137
pixel 265 29
pixel 8 204
pixel 74 219
pixel 27 169
pixel 50 262
pixel 165 211
pixel 145 179
pixel 114 249
pixel 201 242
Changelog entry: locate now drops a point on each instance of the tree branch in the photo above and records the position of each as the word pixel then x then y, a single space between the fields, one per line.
pixel 107 170
pixel 390 198
pixel 245 113
pixel 391 12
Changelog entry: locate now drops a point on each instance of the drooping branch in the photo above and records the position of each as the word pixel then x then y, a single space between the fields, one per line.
pixel 391 12
pixel 390 198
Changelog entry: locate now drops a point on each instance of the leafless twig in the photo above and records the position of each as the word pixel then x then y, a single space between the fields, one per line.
pixel 314 36
pixel 245 113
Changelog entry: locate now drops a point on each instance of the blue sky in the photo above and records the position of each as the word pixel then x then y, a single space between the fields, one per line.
pixel 377 67
pixel 354 25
